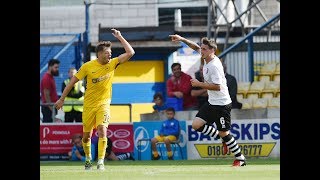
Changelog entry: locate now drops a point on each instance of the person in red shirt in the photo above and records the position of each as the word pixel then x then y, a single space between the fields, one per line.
pixel 48 90
pixel 179 85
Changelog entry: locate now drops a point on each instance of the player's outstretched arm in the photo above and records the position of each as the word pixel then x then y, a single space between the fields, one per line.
pixel 66 91
pixel 191 44
pixel 129 50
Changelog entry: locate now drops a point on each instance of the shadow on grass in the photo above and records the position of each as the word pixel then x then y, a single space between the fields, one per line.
pixel 220 161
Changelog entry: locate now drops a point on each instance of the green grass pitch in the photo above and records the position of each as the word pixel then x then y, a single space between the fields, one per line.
pixel 256 169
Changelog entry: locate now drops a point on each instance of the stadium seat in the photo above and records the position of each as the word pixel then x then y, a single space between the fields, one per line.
pixel 239 96
pixel 260 103
pixel 246 103
pixel 256 87
pixel 271 87
pixel 276 74
pixel 176 103
pixel 175 145
pixel 267 95
pixel 243 88
pixel 264 78
pixel 267 70
pixel 274 102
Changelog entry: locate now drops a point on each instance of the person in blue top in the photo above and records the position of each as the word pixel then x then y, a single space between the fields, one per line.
pixel 160 105
pixel 77 152
pixel 169 131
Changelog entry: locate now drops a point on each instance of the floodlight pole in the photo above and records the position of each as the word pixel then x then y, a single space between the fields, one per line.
pixel 87 5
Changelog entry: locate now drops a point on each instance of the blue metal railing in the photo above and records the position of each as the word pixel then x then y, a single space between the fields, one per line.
pixel 249 37
pixel 76 38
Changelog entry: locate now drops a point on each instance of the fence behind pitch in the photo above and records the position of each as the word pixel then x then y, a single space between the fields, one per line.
pixel 67 48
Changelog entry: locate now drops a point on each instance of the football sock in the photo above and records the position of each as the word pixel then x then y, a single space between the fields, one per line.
pixel 209 130
pixel 102 145
pixel 100 161
pixel 155 153
pixel 233 146
pixel 170 153
pixel 87 149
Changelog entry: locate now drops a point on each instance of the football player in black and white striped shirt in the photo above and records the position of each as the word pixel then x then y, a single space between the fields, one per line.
pixel 217 109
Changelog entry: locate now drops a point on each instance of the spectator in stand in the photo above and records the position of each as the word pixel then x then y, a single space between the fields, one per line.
pixel 110 155
pixel 73 113
pixel 232 87
pixel 179 86
pixel 77 152
pixel 200 93
pixel 160 105
pixel 169 131
pixel 48 90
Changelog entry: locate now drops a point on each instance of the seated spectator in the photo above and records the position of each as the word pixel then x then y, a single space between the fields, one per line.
pixel 77 152
pixel 169 131
pixel 232 87
pixel 179 86
pixel 160 105
pixel 110 155
pixel 200 93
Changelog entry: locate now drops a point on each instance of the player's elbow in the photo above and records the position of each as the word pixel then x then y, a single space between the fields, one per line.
pixel 131 53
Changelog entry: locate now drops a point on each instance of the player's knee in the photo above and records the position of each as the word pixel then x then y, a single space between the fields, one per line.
pixel 223 133
pixel 166 140
pixel 154 140
pixel 85 139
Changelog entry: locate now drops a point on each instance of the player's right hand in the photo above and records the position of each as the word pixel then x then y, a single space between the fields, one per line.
pixel 59 104
pixel 175 37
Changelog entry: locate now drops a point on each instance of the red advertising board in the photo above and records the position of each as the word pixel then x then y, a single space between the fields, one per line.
pixel 56 138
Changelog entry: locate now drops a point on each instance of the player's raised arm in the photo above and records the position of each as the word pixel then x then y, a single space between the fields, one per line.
pixel 129 50
pixel 66 91
pixel 191 44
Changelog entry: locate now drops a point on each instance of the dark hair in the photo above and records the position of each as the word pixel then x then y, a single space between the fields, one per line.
pixel 101 45
pixel 171 109
pixel 209 42
pixel 175 64
pixel 53 62
pixel 157 95
pixel 76 136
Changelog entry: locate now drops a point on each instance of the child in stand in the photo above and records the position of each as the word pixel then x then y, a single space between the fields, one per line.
pixel 160 105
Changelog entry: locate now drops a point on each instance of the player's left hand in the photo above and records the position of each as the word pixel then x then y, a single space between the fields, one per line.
pixel 59 104
pixel 194 82
pixel 116 33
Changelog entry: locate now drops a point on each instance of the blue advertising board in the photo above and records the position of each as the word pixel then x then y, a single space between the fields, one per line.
pixel 145 131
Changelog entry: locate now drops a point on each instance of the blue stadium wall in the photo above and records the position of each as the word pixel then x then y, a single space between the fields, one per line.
pixel 67 60
pixel 135 81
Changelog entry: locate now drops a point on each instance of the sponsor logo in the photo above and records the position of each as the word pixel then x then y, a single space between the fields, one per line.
pixel 247 149
pixel 121 133
pixel 141 137
pixel 121 144
pixel 109 133
pixel 246 131
pixel 45 131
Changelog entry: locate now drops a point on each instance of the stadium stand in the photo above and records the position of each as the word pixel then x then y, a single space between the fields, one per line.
pixel 246 103
pixel 274 102
pixel 260 103
pixel 267 71
pixel 243 88
pixel 255 89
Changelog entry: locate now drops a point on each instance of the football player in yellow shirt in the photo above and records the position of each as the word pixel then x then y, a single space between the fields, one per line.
pixel 97 98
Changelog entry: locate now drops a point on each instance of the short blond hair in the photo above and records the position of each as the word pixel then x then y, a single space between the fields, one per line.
pixel 209 42
pixel 101 45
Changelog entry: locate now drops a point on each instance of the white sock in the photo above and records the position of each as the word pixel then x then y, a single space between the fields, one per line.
pixel 88 158
pixel 100 161
pixel 241 157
